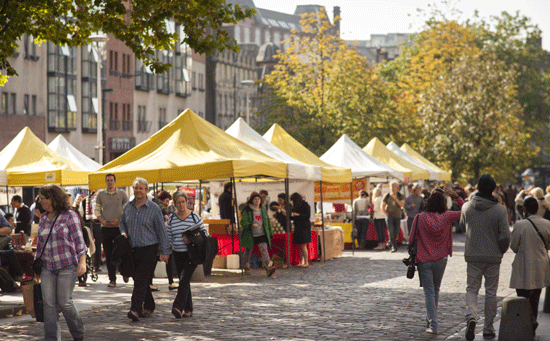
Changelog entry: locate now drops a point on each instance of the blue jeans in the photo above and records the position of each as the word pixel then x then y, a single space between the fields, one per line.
pixel 380 225
pixel 57 290
pixel 431 275
pixel 394 225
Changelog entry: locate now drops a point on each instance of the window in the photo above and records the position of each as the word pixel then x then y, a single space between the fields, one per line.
pixel 26 105
pixel 162 118
pixel 114 123
pixel 33 105
pixel 29 47
pixel 267 37
pixel 61 88
pixel 163 79
pixel 126 118
pixel 194 81
pixel 258 38
pixel 238 34
pixel 247 35
pixel 13 104
pixel 277 39
pixel 4 103
pixel 182 77
pixel 143 76
pixel 89 101
pixel 143 125
pixel 201 82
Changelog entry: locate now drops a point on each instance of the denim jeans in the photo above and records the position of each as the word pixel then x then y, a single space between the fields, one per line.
pixel 474 273
pixel 380 225
pixel 57 290
pixel 431 275
pixel 394 225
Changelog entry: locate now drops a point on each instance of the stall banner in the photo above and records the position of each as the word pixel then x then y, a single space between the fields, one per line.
pixel 340 192
pixel 191 194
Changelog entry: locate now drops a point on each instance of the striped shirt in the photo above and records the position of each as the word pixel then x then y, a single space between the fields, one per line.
pixel 144 225
pixel 66 244
pixel 176 226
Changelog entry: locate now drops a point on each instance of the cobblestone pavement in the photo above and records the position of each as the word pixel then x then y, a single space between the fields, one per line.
pixel 364 296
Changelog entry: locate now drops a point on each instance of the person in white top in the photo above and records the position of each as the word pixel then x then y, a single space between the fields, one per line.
pixel 361 207
pixel 379 219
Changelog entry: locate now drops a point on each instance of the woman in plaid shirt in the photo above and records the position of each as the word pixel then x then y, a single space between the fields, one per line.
pixel 63 260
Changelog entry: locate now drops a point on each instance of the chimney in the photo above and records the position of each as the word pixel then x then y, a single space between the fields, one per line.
pixel 337 23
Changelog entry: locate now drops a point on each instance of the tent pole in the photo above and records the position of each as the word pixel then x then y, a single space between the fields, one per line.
pixel 322 220
pixel 7 199
pixel 200 196
pixel 288 214
pixel 352 215
pixel 235 214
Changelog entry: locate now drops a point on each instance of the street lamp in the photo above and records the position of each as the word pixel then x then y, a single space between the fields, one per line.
pixel 247 81
pixel 99 42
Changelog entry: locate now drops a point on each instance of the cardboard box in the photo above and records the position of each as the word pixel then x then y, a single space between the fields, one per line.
pixel 220 262
pixel 217 226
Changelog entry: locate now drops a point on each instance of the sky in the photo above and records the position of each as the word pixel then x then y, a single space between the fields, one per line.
pixel 361 18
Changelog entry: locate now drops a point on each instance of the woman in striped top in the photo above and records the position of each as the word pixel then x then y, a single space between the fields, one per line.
pixel 178 222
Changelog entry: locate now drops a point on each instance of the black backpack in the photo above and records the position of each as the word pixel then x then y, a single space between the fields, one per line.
pixel 7 284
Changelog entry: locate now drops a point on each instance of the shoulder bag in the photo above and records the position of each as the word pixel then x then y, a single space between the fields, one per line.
pixel 412 248
pixel 198 247
pixel 37 264
pixel 538 232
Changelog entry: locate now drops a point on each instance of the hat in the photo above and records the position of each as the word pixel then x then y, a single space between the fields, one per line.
pixel 531 204
pixel 486 184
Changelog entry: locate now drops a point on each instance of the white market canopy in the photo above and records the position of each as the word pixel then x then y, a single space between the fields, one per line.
pixel 347 154
pixel 62 147
pixel 434 174
pixel 295 169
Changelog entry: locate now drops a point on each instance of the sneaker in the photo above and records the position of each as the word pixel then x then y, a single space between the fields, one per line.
pixel 270 271
pixel 489 335
pixel 111 284
pixel 471 330
pixel 393 249
pixel 429 330
pixel 132 315
pixel 153 288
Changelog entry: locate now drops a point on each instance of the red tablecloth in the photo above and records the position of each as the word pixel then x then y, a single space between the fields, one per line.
pixel 25 261
pixel 278 246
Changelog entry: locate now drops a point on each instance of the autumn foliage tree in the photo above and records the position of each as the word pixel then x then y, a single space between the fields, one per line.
pixel 322 88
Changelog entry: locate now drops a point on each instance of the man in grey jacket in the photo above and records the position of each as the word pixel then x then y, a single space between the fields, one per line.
pixel 487 239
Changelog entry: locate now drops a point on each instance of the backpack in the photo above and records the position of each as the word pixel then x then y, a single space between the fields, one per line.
pixel 7 284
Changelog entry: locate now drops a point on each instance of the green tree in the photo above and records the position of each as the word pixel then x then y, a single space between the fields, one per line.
pixel 471 120
pixel 322 88
pixel 140 24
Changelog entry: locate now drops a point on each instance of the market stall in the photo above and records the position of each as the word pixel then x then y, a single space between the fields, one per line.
pixel 434 175
pixel 444 175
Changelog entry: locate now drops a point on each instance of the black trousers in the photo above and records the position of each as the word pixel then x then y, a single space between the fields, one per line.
pixel 8 257
pixel 183 301
pixel 109 235
pixel 533 296
pixel 96 230
pixel 145 259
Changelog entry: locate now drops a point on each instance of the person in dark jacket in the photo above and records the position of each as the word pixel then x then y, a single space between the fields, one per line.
pixel 301 212
pixel 226 204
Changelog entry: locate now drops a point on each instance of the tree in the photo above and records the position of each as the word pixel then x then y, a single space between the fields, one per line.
pixel 322 88
pixel 472 119
pixel 141 24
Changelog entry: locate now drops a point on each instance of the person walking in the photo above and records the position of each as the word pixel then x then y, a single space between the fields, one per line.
pixel 178 223
pixel 531 267
pixel 379 219
pixel 485 222
pixel 432 231
pixel 143 223
pixel 256 230
pixel 413 204
pixel 392 205
pixel 301 213
pixel 62 250
pixel 108 210
pixel 361 207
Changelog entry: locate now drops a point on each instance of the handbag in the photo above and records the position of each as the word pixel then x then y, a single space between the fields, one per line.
pixel 37 264
pixel 412 248
pixel 198 247
pixel 38 302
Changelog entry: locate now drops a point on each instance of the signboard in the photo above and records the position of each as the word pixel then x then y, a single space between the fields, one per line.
pixel 191 194
pixel 340 192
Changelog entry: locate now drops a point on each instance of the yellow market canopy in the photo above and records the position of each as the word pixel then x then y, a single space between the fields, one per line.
pixel 444 175
pixel 188 148
pixel 377 149
pixel 277 136
pixel 30 162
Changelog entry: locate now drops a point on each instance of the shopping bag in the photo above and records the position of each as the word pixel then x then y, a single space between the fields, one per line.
pixel 38 302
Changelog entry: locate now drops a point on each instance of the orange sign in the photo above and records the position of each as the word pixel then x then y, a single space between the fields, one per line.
pixel 339 192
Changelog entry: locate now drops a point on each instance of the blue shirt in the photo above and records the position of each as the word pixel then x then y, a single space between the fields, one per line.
pixel 176 226
pixel 144 225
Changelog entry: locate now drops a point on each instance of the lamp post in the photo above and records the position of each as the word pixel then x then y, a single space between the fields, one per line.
pixel 99 42
pixel 247 81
